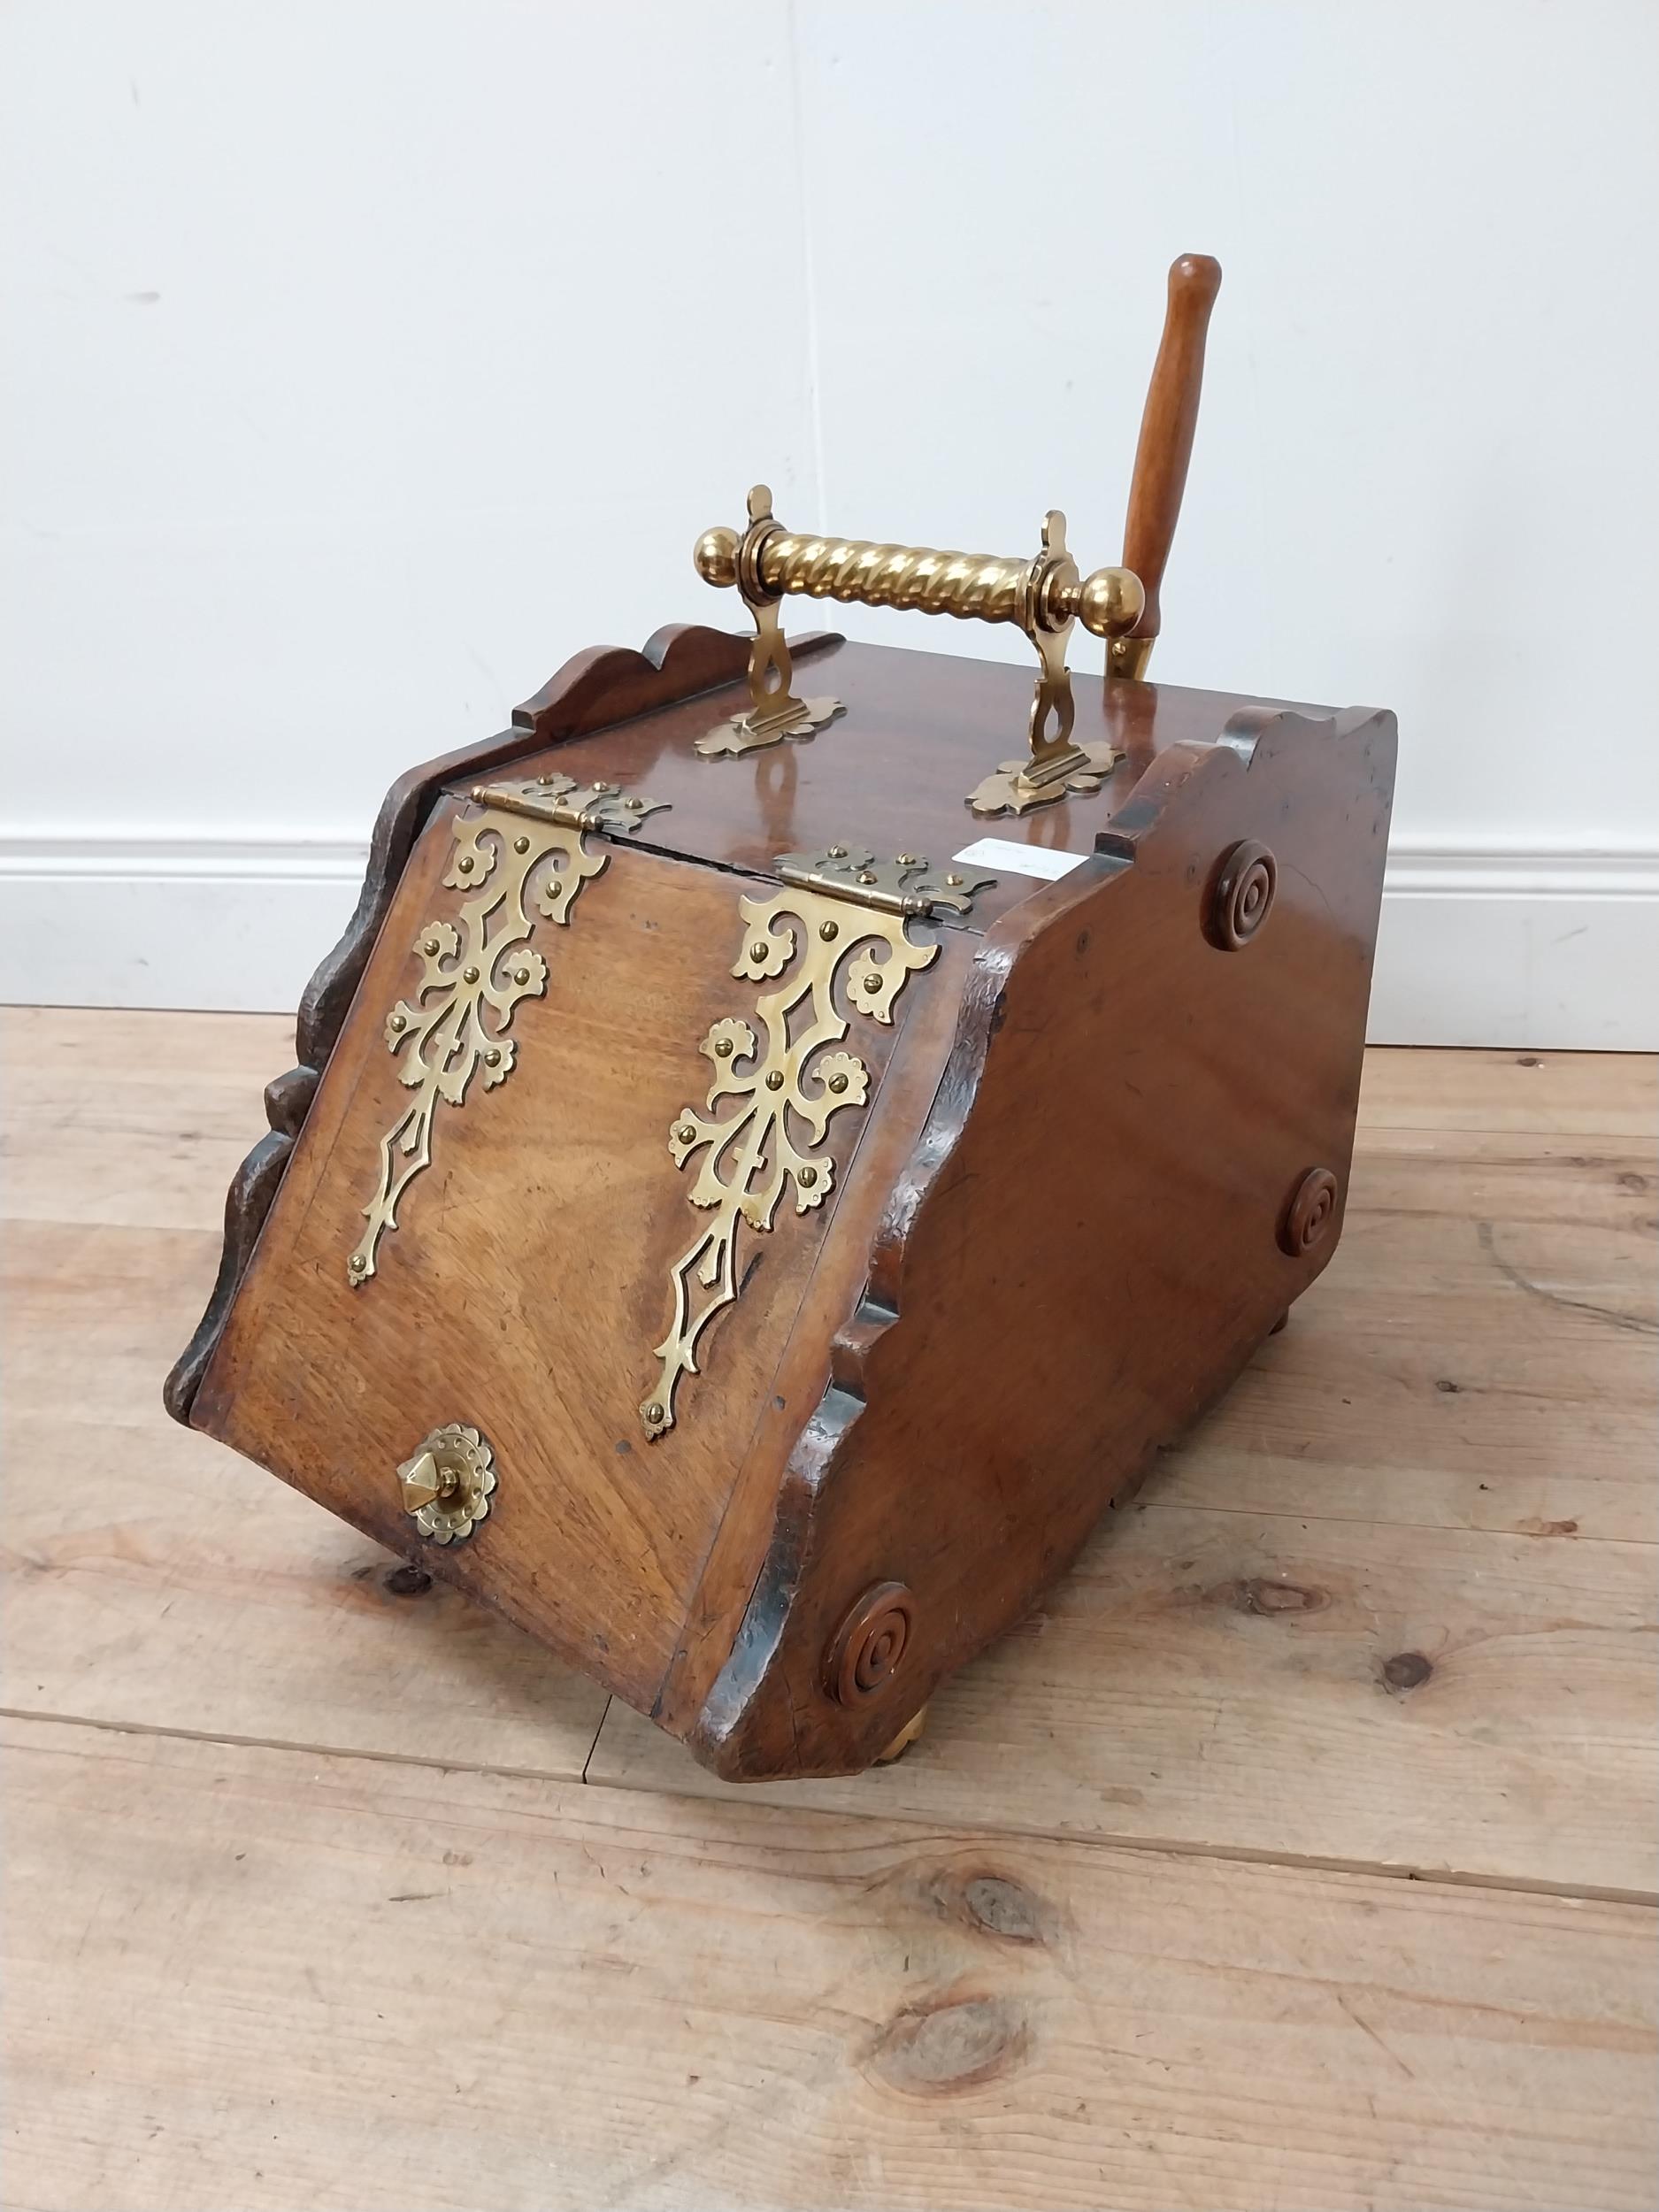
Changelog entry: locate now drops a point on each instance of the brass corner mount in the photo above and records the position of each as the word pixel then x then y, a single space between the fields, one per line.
pixel 1045 596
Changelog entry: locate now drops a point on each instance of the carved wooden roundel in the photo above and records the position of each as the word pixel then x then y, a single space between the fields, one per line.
pixel 1243 893
pixel 1311 1210
pixel 866 1649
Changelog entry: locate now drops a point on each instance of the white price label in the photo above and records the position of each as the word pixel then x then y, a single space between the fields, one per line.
pixel 1022 860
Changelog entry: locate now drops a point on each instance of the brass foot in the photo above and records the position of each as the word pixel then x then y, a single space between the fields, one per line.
pixel 905 1738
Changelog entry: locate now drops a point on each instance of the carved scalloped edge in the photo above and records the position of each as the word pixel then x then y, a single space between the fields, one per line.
pixel 593 690
pixel 716 1738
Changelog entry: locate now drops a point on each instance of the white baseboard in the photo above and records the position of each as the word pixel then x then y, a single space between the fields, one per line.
pixel 1526 949
pixel 231 924
pixel 1543 950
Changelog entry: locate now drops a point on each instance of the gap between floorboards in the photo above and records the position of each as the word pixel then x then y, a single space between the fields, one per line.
pixel 1154 1847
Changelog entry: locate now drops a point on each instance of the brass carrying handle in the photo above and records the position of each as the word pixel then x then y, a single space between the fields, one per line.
pixel 1043 596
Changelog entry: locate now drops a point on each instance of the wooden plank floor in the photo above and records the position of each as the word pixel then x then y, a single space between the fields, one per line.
pixel 1301 1853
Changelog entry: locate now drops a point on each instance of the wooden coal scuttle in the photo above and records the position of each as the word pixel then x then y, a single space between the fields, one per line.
pixel 791 1131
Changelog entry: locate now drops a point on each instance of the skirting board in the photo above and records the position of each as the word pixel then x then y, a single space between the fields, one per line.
pixel 1533 950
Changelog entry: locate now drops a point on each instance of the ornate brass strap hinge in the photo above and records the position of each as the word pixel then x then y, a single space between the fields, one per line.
pixel 604 807
pixel 820 936
pixel 905 885
pixel 1045 596
pixel 524 858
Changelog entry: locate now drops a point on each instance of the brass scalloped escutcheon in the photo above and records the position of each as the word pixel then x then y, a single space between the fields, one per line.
pixel 447 1485
pixel 523 860
pixel 787 1093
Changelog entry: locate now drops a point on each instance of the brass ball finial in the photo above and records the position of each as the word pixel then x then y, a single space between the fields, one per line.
pixel 1110 602
pixel 715 555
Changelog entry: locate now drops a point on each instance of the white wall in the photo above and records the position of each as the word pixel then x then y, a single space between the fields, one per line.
pixel 348 343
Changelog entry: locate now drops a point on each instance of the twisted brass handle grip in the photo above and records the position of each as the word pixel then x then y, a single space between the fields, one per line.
pixel 1044 594
pixel 969 586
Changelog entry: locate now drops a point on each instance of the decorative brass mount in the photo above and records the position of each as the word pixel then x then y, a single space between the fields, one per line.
pixel 1045 596
pixel 905 885
pixel 474 976
pixel 774 712
pixel 605 807
pixel 447 1486
pixel 826 926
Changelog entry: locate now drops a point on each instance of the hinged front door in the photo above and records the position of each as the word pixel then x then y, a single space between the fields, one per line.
pixel 523 1312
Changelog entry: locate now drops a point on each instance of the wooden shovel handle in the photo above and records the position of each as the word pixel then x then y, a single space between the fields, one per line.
pixel 1166 430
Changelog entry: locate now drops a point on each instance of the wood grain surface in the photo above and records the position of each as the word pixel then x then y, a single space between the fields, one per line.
pixel 1081 1252
pixel 308 1907
pixel 361 1984
pixel 530 1270
pixel 526 1277
pixel 921 730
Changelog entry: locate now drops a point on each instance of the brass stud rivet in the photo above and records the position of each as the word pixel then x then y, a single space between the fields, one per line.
pixel 521 975
pixel 758 950
pixel 465 864
pixel 829 932
pixel 430 948
pixel 807 1177
pixel 397 1021
pixel 685 1133
pixel 865 876
pixel 838 852
pixel 723 1048
pixel 492 1058
pixel 872 983
pixel 908 860
pixel 469 975
pixel 635 806
pixel 838 1083
pixel 653 1414
pixel 521 844
pixel 955 882
pixel 774 1080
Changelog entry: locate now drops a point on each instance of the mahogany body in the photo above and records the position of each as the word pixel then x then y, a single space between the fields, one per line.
pixel 1085 1186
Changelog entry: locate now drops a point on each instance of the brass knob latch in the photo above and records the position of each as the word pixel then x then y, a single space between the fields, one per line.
pixel 1045 596
pixel 447 1486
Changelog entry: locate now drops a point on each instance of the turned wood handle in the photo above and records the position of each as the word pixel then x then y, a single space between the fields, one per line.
pixel 1166 430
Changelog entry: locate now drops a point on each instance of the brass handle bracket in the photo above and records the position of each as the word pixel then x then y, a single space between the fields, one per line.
pixel 1045 596
pixel 774 711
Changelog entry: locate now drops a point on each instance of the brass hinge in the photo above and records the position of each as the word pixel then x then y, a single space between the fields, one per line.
pixel 907 885
pixel 602 806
